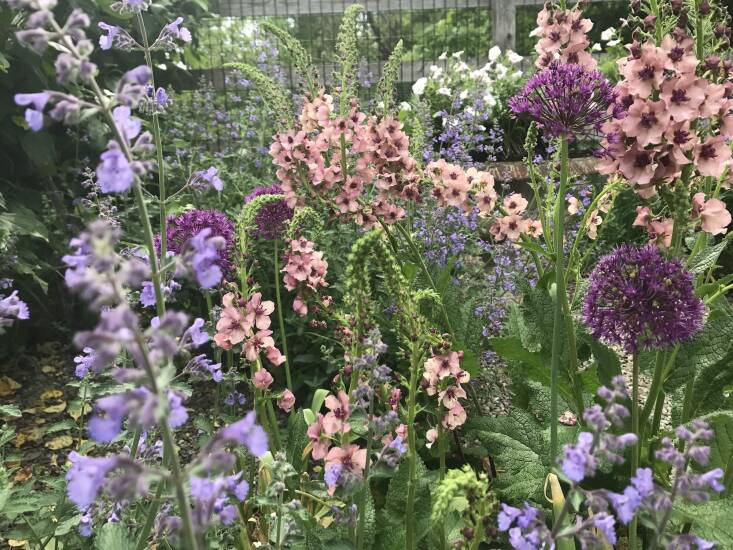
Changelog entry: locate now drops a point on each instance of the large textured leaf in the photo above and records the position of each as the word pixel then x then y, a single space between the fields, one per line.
pixel 707 258
pixel 23 221
pixel 113 535
pixel 297 440
pixel 711 520
pixel 518 446
pixel 707 348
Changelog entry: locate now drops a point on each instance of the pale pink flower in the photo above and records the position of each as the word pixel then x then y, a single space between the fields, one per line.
pixel 712 212
pixel 450 396
pixel 262 340
pixel 683 96
pixel 637 165
pixel 712 156
pixel 646 121
pixel 350 457
pixel 515 204
pixel 319 439
pixel 534 228
pixel 262 379
pixel 573 206
pixel 336 420
pixel 260 310
pixel 287 401
pixel 660 232
pixel 513 226
pixel 233 326
pixel 679 55
pixel 431 436
pixel 714 100
pixel 642 216
pixel 645 73
pixel 594 220
pixel 455 417
pixel 274 356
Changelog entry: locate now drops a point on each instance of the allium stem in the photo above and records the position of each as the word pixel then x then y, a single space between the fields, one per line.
pixel 635 451
pixel 158 142
pixel 281 321
pixel 557 332
pixel 410 541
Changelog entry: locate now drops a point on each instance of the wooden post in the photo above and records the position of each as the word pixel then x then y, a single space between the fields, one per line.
pixel 504 23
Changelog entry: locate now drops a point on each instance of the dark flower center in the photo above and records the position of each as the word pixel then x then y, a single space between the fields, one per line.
pixel 642 160
pixel 681 137
pixel 676 53
pixel 647 73
pixel 648 120
pixel 679 96
pixel 708 152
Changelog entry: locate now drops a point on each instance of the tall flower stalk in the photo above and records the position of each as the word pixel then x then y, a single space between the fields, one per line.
pixel 568 101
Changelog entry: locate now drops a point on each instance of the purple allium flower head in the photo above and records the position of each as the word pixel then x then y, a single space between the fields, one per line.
pixel 566 100
pixel 184 227
pixel 272 216
pixel 641 300
pixel 114 173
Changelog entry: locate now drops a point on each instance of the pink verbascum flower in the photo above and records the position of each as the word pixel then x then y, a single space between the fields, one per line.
pixel 320 441
pixel 260 311
pixel 348 459
pixel 713 214
pixel 286 401
pixel 336 420
pixel 712 156
pixel 515 204
pixel 233 326
pixel 262 379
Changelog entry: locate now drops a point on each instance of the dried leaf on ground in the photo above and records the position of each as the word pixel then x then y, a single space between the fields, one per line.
pixel 60 442
pixel 8 386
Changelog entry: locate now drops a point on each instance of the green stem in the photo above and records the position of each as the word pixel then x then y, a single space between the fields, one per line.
pixel 441 450
pixel 365 491
pixel 426 272
pixel 281 321
pixel 557 332
pixel 158 143
pixel 687 403
pixel 656 422
pixel 635 429
pixel 412 481
pixel 656 386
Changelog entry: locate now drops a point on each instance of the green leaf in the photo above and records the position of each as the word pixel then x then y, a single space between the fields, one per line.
pixel 23 221
pixel 707 258
pixel 297 440
pixel 518 446
pixel 318 398
pixel 707 348
pixel 114 535
pixel 65 527
pixel 11 410
pixel 710 520
pixel 608 364
pixel 66 424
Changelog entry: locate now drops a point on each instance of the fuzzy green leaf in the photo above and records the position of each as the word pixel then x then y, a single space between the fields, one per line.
pixel 707 258
pixel 710 520
pixel 113 535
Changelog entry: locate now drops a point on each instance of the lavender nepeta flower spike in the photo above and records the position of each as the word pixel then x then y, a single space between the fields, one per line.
pixel 640 300
pixel 566 100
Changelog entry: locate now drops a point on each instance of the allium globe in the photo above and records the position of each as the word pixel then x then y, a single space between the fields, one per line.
pixel 184 227
pixel 271 217
pixel 566 100
pixel 639 299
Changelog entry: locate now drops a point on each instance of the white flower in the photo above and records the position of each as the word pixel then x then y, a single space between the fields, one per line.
pixel 608 34
pixel 458 55
pixel 517 74
pixel 489 99
pixel 463 94
pixel 596 47
pixel 501 70
pixel 444 55
pixel 435 71
pixel 614 42
pixel 404 106
pixel 461 67
pixel 444 91
pixel 418 88
pixel 513 57
pixel 494 53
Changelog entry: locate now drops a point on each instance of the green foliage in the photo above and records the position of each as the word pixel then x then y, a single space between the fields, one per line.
pixel 710 520
pixel 301 58
pixel 707 258
pixel 273 93
pixel 390 75
pixel 347 50
pixel 306 222
pixel 114 535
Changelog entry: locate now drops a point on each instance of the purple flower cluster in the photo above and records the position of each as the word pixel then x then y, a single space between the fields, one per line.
pixel 566 100
pixel 271 217
pixel 639 299
pixel 12 308
pixel 182 229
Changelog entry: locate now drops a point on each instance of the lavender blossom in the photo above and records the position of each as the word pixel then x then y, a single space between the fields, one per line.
pixel 640 300
pixel 12 308
pixel 34 115
pixel 210 176
pixel 114 173
pixel 566 100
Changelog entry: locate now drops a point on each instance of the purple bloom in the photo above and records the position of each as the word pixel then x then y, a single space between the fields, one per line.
pixel 33 116
pixel 202 367
pixel 205 256
pixel 271 217
pixel 106 41
pixel 579 461
pixel 333 474
pixel 114 173
pixel 11 308
pixel 211 496
pixel 128 126
pixel 86 477
pixel 640 300
pixel 606 525
pixel 84 363
pixel 210 176
pixel 566 100
pixel 198 337
pixel 182 228
pixel 175 30
pixel 245 432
